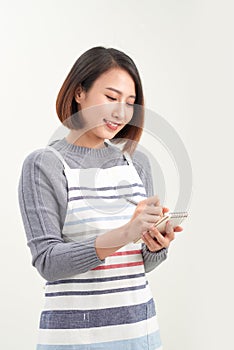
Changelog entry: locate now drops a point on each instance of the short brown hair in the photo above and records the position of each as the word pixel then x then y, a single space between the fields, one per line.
pixel 88 67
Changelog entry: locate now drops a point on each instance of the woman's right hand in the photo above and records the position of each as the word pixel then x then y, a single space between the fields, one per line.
pixel 146 214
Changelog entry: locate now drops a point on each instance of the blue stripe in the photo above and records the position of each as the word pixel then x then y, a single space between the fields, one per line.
pixel 105 218
pixel 75 319
pixel 96 292
pixel 96 280
pixel 106 197
pixel 149 342
pixel 104 188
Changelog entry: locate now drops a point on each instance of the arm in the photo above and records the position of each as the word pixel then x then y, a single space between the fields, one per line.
pixel 43 199
pixel 43 202
pixel 142 165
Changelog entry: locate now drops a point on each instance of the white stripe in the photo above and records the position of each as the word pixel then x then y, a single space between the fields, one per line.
pixel 82 228
pixel 67 287
pixel 109 273
pixel 117 203
pixel 90 302
pixel 95 212
pixel 123 259
pixel 122 271
pixel 110 333
pixel 101 208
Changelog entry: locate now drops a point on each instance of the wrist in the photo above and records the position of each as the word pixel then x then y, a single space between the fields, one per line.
pixel 109 242
pixel 130 233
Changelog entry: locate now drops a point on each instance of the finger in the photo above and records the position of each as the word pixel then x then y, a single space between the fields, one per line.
pixel 178 229
pixel 169 228
pixel 141 205
pixel 154 200
pixel 165 210
pixel 156 234
pixel 151 243
pixel 151 219
pixel 154 210
pixel 169 231
pixel 139 208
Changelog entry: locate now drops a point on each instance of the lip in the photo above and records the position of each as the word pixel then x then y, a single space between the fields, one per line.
pixel 112 121
pixel 111 126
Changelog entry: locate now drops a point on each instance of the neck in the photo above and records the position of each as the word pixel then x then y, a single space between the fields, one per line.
pixel 84 140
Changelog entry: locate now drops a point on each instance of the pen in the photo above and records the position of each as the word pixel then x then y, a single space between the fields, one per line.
pixel 163 218
pixel 130 201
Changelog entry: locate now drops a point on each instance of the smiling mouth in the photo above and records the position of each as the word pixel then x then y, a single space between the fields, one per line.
pixel 112 125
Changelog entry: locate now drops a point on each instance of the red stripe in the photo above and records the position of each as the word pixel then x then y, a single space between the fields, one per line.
pixel 128 252
pixel 116 266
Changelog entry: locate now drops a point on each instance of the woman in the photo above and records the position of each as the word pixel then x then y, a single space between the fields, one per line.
pixel 81 231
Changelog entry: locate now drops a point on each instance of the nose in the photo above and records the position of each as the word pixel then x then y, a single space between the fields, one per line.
pixel 119 111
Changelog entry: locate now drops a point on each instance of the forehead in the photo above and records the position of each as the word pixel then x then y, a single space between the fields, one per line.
pixel 116 78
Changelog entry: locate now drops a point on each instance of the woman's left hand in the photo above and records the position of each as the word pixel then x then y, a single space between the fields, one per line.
pixel 155 240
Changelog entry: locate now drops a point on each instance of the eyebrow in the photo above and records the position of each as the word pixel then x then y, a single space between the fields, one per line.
pixel 119 92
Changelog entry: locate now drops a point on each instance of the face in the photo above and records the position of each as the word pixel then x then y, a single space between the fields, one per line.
pixel 106 108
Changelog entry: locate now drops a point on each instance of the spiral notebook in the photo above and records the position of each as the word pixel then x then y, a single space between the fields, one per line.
pixel 175 218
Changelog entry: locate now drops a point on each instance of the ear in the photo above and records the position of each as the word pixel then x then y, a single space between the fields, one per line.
pixel 79 94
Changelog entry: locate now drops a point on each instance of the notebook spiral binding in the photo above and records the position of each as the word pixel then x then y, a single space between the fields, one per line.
pixel 178 214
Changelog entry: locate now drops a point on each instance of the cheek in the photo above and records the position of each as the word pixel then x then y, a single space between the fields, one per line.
pixel 95 112
pixel 129 115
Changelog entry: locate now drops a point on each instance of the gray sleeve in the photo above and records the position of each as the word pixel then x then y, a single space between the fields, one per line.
pixel 142 165
pixel 42 193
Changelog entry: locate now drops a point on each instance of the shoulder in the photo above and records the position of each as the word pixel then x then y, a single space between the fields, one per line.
pixel 43 158
pixel 143 167
pixel 141 162
pixel 140 157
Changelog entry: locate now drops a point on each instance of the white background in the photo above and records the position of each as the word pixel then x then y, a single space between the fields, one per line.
pixel 184 52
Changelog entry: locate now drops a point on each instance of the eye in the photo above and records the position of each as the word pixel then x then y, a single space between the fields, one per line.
pixel 114 99
pixel 111 98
